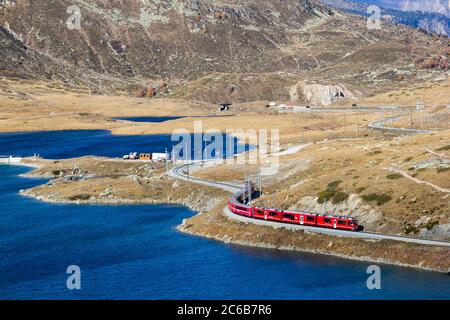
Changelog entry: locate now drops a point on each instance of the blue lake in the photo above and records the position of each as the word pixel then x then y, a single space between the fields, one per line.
pixel 79 143
pixel 164 119
pixel 149 119
pixel 135 252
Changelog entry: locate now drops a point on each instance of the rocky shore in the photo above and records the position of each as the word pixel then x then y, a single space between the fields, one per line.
pixel 214 225
pixel 153 187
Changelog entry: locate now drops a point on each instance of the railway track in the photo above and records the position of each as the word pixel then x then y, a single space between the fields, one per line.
pixel 180 172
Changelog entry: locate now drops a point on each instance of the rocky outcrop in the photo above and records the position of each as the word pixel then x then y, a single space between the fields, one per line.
pixel 323 95
pixel 317 94
pixel 353 206
pixel 441 231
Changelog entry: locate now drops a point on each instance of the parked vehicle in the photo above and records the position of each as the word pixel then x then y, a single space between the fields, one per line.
pixel 131 156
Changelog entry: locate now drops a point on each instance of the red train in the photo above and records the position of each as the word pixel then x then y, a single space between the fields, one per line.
pixel 301 218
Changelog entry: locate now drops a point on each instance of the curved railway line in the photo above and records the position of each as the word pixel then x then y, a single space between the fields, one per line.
pixel 179 172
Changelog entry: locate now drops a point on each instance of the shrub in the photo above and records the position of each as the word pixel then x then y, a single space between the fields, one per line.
pixel 394 176
pixel 410 229
pixel 148 92
pixel 151 92
pixel 445 148
pixel 438 62
pixel 380 199
pixel 440 170
pixel 333 185
pixel 81 197
pixel 339 197
pixel 326 195
pixel 330 194
pixel 140 93
pixel 360 189
pixel 430 225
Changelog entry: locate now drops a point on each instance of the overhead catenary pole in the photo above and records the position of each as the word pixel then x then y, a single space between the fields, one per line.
pixel 345 123
pixel 357 125
pixel 412 122
pixel 167 160
pixel 188 163
pixel 260 185
pixel 244 195
pixel 249 194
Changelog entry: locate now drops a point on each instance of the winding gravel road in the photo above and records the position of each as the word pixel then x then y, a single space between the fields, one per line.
pixel 381 125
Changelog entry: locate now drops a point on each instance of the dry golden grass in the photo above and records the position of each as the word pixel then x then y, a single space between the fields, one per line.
pixel 362 161
pixel 35 106
pixel 432 93
pixel 110 181
pixel 215 225
pixel 364 168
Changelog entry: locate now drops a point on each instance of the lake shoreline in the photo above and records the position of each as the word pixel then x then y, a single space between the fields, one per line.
pixel 209 224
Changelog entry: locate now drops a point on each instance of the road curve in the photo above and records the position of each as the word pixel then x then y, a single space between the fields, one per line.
pixel 381 125
pixel 179 172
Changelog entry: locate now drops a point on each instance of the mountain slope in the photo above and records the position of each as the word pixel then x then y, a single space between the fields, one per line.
pixel 435 6
pixel 206 49
pixel 431 20
pixel 129 39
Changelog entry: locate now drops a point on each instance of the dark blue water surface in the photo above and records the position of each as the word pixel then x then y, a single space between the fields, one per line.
pixel 164 119
pixel 79 143
pixel 149 119
pixel 135 252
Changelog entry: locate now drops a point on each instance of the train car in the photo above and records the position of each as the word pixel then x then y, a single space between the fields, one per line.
pixel 341 223
pixel 242 210
pixel 238 208
pixel 273 215
pixel 309 219
pixel 301 218
pixel 259 213
pixel 289 217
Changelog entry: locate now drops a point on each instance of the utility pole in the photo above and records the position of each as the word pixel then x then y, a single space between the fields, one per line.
pixel 188 162
pixel 357 126
pixel 325 205
pixel 188 173
pixel 244 184
pixel 323 120
pixel 260 185
pixel 345 123
pixel 167 160
pixel 243 193
pixel 249 194
pixel 411 119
